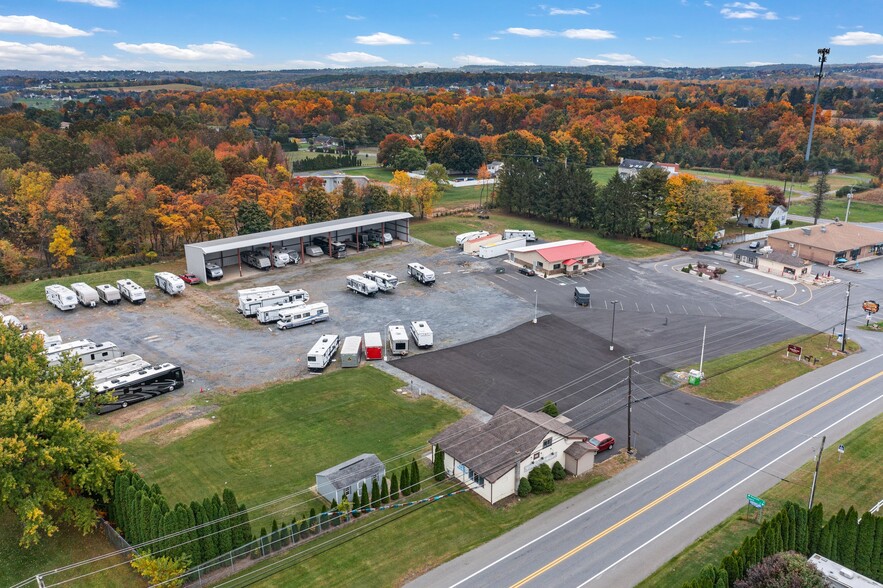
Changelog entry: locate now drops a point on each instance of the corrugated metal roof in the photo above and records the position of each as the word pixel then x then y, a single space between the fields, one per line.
pixel 353 470
pixel 258 239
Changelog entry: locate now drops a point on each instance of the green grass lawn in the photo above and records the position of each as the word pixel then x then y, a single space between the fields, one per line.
pixel 441 232
pixel 859 212
pixel 739 375
pixel 854 480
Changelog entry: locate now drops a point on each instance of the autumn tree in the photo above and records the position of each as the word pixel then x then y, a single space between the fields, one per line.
pixel 818 197
pixel 462 154
pixel 317 205
pixel 350 199
pixel 410 159
pixel 390 148
pixel 748 201
pixel 62 247
pixel 161 570
pixel 12 261
pixel 278 204
pixel 438 175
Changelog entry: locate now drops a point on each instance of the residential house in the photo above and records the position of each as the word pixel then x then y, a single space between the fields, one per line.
pixel 495 167
pixel 783 264
pixel 346 479
pixel 492 457
pixel 325 143
pixel 334 181
pixel 827 243
pixel 629 168
pixel 560 257
pixel 776 212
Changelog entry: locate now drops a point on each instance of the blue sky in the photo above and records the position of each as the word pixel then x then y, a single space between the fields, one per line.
pixel 281 34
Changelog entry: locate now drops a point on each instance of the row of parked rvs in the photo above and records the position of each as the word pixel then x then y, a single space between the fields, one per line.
pixel 265 258
pixel 64 298
pixel 287 308
pixel 370 346
pixel 371 282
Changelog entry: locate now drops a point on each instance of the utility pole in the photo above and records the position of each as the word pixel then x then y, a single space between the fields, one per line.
pixel 823 56
pixel 845 317
pixel 629 449
pixel 815 476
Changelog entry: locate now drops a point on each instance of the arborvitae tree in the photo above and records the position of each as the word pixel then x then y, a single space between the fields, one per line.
pixel 414 478
pixel 274 536
pixel 405 482
pixel 356 505
pixel 558 472
pixel 155 522
pixel 225 536
pixel 323 518
pixel 365 497
pixel 200 520
pixel 801 534
pixel 438 464
pixel 210 538
pixel 706 576
pixel 137 525
pixel 849 539
pixel 170 526
pixel 182 522
pixel 826 539
pixel 304 528
pixel 229 500
pixel 244 527
pixel 393 488
pixel 375 493
pixel 792 527
pixel 131 515
pixel 818 198
pixel 865 544
pixel 815 522
pixel 877 552
pixel 731 565
pixel 541 480
pixel 384 491
pixel 294 530
pixel 523 487
pixel 264 542
pixel 335 517
pixel 314 522
pixel 117 511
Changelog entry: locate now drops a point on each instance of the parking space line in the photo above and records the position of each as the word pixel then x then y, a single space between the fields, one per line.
pixel 685 309
pixel 716 310
pixel 636 307
pixel 652 307
pixel 669 308
pixel 700 310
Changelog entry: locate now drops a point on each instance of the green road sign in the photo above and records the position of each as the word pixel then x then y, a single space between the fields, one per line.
pixel 755 501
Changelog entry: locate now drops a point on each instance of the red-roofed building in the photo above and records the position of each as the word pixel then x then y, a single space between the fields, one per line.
pixel 560 257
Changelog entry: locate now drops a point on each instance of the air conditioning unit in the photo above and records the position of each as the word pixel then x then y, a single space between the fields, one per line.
pixel 791 245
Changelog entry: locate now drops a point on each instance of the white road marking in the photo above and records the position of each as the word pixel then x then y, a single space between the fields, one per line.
pixel 685 309
pixel 652 308
pixel 700 310
pixel 669 308
pixel 636 307
pixel 152 338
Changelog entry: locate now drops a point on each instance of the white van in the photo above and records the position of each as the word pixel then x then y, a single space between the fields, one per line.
pixel 86 294
pixel 422 334
pixel 322 352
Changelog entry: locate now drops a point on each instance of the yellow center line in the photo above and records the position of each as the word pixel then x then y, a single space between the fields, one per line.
pixel 689 482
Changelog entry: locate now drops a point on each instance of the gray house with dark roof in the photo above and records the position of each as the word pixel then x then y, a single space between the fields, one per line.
pixel 492 457
pixel 346 479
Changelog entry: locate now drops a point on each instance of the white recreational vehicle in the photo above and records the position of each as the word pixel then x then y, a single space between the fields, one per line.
pixel 114 368
pixel 48 340
pixel 141 385
pixel 278 258
pixel 86 354
pixel 377 235
pixel 256 260
pixel 258 290
pixel 493 249
pixel 517 233
pixel 61 297
pixel 250 305
pixel 108 294
pixel 351 352
pixel 361 285
pixel 422 334
pixel 169 283
pixel 463 237
pixel 273 312
pixel 54 351
pixel 384 281
pixel 322 352
pixel 86 294
pixel 131 291
pixel 422 274
pixel 213 271
pixel 308 314
pixel 397 339
pixel 13 321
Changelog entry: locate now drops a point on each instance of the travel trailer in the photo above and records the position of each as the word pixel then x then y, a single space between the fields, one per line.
pixel 518 233
pixel 397 339
pixel 386 282
pixel 422 334
pixel 108 294
pixel 61 297
pixel 308 314
pixel 86 294
pixel 422 274
pixel 169 283
pixel 250 305
pixel 361 285
pixel 273 312
pixel 213 271
pixel 256 260
pixel 114 368
pixel 131 291
pixel 86 354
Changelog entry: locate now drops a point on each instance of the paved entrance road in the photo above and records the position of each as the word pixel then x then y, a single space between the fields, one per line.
pixel 616 533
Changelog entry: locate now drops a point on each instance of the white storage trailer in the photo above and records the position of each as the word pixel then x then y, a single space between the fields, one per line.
pixel 422 334
pixel 472 245
pixel 61 297
pixel 500 248
pixel 131 291
pixel 322 352
pixel 361 285
pixel 273 312
pixel 351 352
pixel 518 233
pixel 384 281
pixel 86 294
pixel 169 283
pixel 115 368
pixel 308 314
pixel 397 339
pixel 108 294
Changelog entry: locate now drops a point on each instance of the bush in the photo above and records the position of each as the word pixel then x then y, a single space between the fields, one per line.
pixel 523 487
pixel 541 480
pixel 776 225
pixel 558 472
pixel 551 409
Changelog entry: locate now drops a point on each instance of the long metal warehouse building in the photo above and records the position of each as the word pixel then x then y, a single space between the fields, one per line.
pixel 226 252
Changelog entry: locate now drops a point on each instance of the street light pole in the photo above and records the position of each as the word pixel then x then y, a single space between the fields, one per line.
pixel 536 299
pixel 613 324
pixel 845 317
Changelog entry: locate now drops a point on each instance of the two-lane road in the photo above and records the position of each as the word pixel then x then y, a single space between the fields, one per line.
pixel 620 531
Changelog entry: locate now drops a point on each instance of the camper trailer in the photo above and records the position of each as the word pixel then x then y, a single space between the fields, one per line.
pixel 397 339
pixel 463 237
pixel 54 351
pixel 61 297
pixel 140 385
pixel 292 252
pixel 518 233
pixel 422 274
pixel 422 334
pixel 131 291
pixel 351 352
pixel 361 285
pixel 86 354
pixel 48 340
pixel 373 346
pixel 333 248
pixel 377 235
pixel 308 314
pixel 213 271
pixel 108 294
pixel 278 258
pixel 250 305
pixel 313 251
pixel 386 282
pixel 322 352
pixel 86 294
pixel 273 312
pixel 169 283
pixel 256 260
pixel 258 290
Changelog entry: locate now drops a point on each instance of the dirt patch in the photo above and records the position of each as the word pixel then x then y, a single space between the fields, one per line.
pixel 185 429
pixel 193 415
pixel 614 465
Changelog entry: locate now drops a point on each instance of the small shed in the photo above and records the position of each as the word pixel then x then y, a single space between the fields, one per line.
pixel 745 257
pixel 579 458
pixel 345 479
pixel 351 352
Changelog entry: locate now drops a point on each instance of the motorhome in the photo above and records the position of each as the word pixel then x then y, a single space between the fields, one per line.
pixel 518 233
pixel 112 363
pixel 61 297
pixel 422 334
pixel 140 385
pixel 213 271
pixel 114 368
pixel 397 339
pixel 333 248
pixel 278 258
pixel 131 291
pixel 308 314
pixel 250 305
pixel 351 352
pixel 359 244
pixel 169 283
pixel 86 294
pixel 54 351
pixel 463 237
pixel 256 260
pixel 422 274
pixel 373 346
pixel 361 285
pixel 273 312
pixel 322 352
pixel 86 354
pixel 384 281
pixel 108 294
pixel 377 235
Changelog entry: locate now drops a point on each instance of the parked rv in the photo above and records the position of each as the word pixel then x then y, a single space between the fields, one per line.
pixel 86 294
pixel 273 312
pixel 108 294
pixel 308 314
pixel 258 290
pixel 86 354
pixel 422 334
pixel 111 363
pixel 115 368
pixel 61 297
pixel 582 296
pixel 256 260
pixel 131 291
pixel 213 271
pixel 361 285
pixel 384 281
pixel 169 283
pixel 54 351
pixel 373 346
pixel 422 274
pixel 48 340
pixel 397 340
pixel 278 258
pixel 333 248
pixel 351 352
pixel 377 235
pixel 293 254
pixel 12 321
pixel 499 248
pixel 250 305
pixel 463 237
pixel 518 233
pixel 359 244
pixel 140 385
pixel 322 352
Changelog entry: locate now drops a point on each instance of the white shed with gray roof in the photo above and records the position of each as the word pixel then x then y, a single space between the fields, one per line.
pixel 346 479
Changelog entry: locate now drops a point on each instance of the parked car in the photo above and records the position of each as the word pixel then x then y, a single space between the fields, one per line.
pixel 190 279
pixel 526 271
pixel 754 245
pixel 603 442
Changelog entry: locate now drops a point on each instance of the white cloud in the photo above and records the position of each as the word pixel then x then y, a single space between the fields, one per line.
pixel 608 59
pixel 493 38
pixel 100 30
pixel 34 25
pixel 739 42
pixel 858 38
pixel 875 58
pixel 305 64
pixel 455 36
pixel 758 63
pixel 476 60
pixel 98 3
pixel 567 11
pixel 219 50
pixel 355 57
pixel 353 17
pixel 43 56
pixel 709 4
pixel 382 39
pixel 750 10
pixel 530 32
pixel 652 38
pixel 588 34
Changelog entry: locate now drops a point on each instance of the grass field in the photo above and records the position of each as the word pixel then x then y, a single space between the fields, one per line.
pixel 853 480
pixel 441 232
pixel 835 181
pixel 859 212
pixel 740 375
pixel 41 103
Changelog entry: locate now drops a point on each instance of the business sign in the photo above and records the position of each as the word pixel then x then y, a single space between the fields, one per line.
pixel 795 349
pixel 870 306
pixel 841 449
pixel 755 501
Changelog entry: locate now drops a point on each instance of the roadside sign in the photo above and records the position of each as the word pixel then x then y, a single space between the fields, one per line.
pixel 795 349
pixel 870 306
pixel 841 449
pixel 755 501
